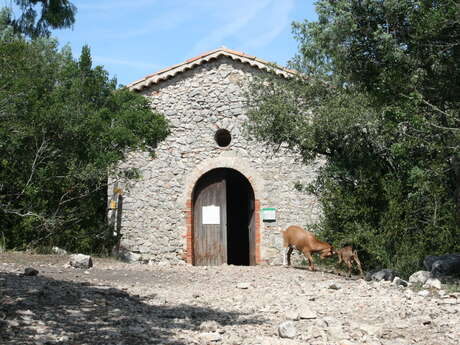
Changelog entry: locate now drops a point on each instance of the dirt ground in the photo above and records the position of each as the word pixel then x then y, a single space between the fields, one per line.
pixel 130 304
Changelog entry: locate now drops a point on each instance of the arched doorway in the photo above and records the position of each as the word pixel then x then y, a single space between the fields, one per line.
pixel 223 219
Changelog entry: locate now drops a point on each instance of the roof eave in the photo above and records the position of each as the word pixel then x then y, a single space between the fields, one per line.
pixel 172 71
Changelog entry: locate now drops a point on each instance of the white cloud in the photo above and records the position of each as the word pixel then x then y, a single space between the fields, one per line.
pixel 276 21
pixel 163 22
pixel 251 23
pixel 230 21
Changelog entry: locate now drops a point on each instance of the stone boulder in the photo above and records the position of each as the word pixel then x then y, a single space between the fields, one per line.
pixel 209 326
pixel 81 261
pixel 419 277
pixel 379 275
pixel 432 283
pixel 129 257
pixel 29 271
pixel 287 330
pixel 444 265
pixel 400 282
pixel 292 315
pixel 306 313
pixel 210 338
pixel 243 286
pixel 423 293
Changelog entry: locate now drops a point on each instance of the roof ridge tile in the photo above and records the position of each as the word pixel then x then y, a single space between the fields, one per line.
pixel 205 57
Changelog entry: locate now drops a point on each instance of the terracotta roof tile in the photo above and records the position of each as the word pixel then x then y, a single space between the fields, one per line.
pixel 171 71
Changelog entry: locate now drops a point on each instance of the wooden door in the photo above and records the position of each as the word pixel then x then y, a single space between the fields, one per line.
pixel 210 220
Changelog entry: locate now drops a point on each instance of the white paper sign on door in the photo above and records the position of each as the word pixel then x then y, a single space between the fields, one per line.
pixel 211 214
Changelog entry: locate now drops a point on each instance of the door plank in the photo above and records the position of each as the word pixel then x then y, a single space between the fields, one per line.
pixel 210 240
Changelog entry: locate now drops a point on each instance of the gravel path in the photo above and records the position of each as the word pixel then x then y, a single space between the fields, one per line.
pixel 134 304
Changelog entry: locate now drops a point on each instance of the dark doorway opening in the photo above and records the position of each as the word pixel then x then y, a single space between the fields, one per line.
pixel 239 248
pixel 240 205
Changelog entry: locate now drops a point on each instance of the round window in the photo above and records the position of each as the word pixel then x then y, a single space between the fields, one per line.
pixel 223 137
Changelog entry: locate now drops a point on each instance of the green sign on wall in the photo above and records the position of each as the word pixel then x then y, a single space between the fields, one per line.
pixel 269 214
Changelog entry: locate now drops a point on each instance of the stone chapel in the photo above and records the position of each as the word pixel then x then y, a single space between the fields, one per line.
pixel 210 195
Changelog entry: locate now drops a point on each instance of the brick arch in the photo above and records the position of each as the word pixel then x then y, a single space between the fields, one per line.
pixel 235 163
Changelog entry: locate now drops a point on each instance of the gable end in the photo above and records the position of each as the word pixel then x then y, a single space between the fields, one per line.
pixel 172 71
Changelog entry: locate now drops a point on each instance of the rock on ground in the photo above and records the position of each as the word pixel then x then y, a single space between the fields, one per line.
pixel 130 257
pixel 287 330
pixel 379 275
pixel 433 283
pixel 419 277
pixel 81 261
pixel 30 271
pixel 399 282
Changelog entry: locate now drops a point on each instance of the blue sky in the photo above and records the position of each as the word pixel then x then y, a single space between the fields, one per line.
pixel 134 38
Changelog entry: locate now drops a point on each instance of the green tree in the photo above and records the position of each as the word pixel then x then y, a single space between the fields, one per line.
pixel 377 97
pixel 63 125
pixel 38 16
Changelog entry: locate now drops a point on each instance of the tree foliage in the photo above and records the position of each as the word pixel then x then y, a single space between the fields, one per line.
pixel 38 16
pixel 378 99
pixel 63 124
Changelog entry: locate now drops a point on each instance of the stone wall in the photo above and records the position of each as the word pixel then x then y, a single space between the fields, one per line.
pixel 197 103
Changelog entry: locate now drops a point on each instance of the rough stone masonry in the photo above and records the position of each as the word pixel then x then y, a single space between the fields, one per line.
pixel 198 98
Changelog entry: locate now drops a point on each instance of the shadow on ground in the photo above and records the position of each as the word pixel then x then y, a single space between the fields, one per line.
pixel 41 310
pixel 327 270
